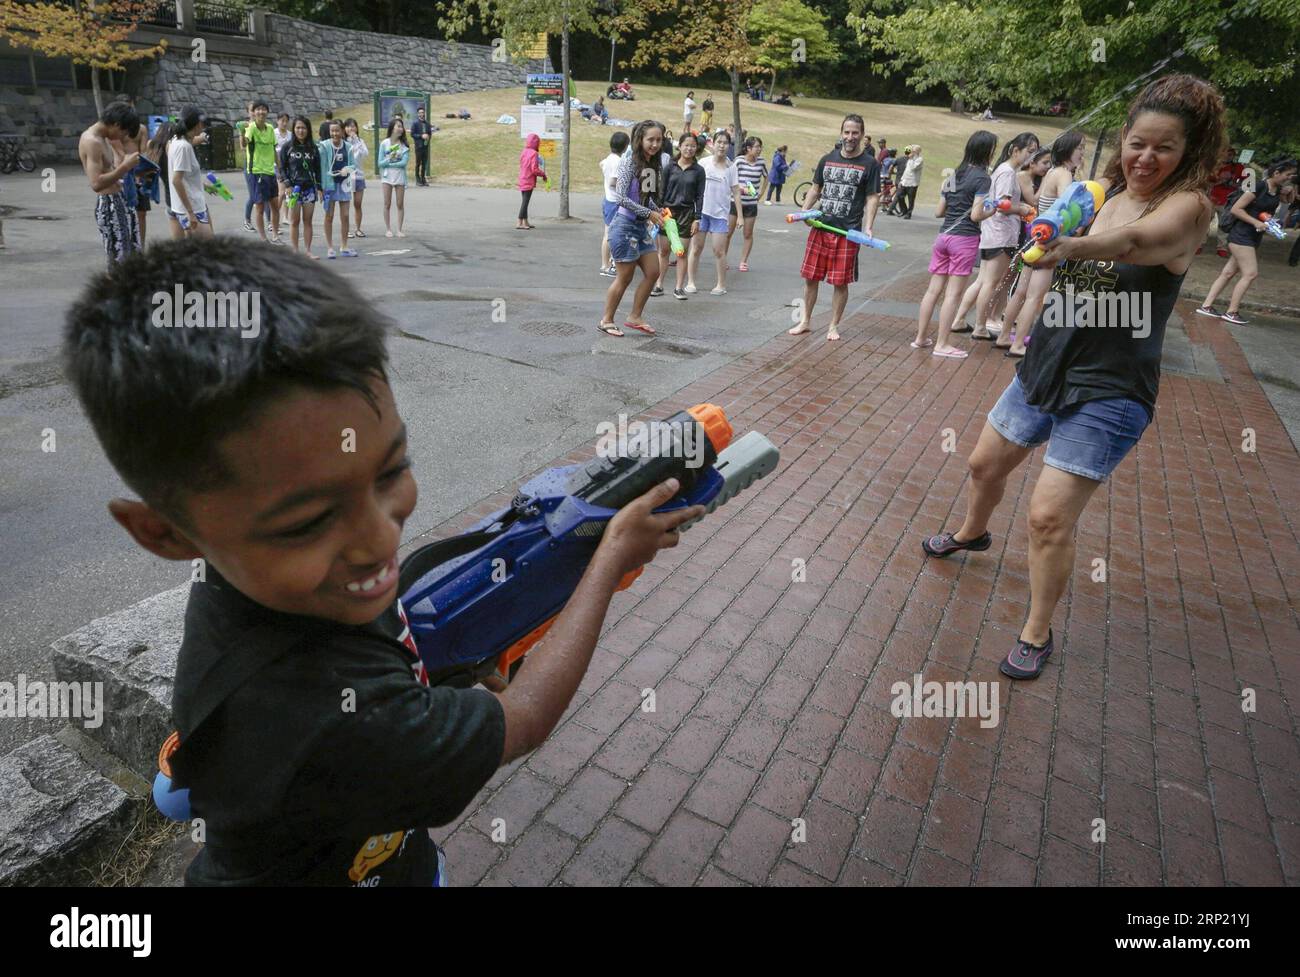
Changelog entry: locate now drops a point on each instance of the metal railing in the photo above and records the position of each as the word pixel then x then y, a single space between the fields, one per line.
pixel 221 18
pixel 162 13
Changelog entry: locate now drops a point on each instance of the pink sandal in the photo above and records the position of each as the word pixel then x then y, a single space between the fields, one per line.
pixel 641 327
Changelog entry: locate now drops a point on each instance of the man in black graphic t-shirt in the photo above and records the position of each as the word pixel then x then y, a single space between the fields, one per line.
pixel 846 183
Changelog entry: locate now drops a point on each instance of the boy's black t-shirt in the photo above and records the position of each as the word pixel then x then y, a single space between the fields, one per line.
pixel 846 182
pixel 326 766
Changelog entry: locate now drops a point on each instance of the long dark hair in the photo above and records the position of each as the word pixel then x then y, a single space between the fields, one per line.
pixel 1019 142
pixel 392 122
pixel 639 163
pixel 1199 107
pixel 979 152
pixel 1065 145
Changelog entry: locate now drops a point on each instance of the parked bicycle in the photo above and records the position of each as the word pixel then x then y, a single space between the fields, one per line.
pixel 14 155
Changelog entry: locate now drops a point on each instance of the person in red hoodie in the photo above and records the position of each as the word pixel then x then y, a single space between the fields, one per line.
pixel 1227 180
pixel 530 168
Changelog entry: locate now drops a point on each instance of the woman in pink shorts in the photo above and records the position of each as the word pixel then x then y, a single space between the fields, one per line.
pixel 958 243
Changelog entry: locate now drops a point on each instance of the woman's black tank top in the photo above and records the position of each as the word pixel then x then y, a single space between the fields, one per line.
pixel 1100 334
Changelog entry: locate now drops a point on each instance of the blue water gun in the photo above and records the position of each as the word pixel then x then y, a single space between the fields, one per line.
pixel 478 602
pixel 1070 213
pixel 1273 226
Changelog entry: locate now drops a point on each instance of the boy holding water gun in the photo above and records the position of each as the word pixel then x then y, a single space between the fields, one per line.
pixel 310 743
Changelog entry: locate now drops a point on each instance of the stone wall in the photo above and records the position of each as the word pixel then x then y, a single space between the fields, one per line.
pixel 298 67
pixel 348 67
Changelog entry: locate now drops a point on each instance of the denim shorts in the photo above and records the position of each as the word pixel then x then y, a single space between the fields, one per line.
pixel 607 210
pixel 629 240
pixel 1088 439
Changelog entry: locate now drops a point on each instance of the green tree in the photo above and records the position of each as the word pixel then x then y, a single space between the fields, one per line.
pixel 91 32
pixel 520 23
pixel 692 37
pixel 788 33
pixel 1098 53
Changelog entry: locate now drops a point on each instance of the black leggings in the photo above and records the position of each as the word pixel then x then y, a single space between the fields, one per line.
pixel 777 187
pixel 523 204
pixel 908 199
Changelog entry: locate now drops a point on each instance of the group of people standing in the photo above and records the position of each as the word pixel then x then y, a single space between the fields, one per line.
pixel 702 185
pixel 287 171
pixel 290 168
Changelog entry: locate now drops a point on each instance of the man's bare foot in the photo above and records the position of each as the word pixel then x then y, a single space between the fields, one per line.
pixel 832 334
pixel 799 330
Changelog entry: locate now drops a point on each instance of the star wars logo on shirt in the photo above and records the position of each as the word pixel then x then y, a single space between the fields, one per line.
pixel 840 188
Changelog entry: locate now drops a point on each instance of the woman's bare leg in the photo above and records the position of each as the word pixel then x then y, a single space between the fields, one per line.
pixel 1059 499
pixel 1248 262
pixel 948 314
pixel 928 301
pixel 993 459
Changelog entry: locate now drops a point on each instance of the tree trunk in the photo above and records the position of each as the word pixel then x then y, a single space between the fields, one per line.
pixel 94 88
pixel 568 119
pixel 735 105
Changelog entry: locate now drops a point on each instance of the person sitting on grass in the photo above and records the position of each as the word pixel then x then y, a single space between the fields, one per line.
pixel 230 439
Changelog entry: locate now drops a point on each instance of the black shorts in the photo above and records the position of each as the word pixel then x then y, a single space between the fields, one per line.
pixel 987 253
pixel 684 215
pixel 747 210
pixel 1245 235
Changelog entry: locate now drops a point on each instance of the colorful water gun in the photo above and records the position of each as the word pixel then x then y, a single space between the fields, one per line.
pixel 1004 205
pixel 1072 211
pixel 802 215
pixel 295 194
pixel 751 189
pixel 476 603
pixel 1273 226
pixel 673 232
pixel 214 185
pixel 857 237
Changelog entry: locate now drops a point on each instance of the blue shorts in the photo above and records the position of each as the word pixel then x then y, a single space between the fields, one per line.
pixel 629 240
pixel 1088 439
pixel 358 182
pixel 607 211
pixel 184 219
pixel 264 187
pixel 335 196
pixel 713 225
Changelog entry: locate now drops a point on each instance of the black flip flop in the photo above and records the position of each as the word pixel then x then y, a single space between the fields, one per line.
pixel 1013 356
pixel 987 339
pixel 954 332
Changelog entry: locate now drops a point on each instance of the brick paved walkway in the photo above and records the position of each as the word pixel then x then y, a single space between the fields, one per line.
pixel 773 696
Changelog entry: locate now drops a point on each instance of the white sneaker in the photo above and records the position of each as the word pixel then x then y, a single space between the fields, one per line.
pixel 767 203
pixel 718 291
pixel 690 290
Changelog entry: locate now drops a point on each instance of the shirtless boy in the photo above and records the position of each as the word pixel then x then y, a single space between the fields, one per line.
pixel 113 216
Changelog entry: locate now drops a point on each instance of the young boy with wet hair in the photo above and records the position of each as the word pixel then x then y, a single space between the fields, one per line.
pixel 313 748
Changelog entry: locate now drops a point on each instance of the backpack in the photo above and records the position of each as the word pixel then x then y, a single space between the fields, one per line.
pixel 1226 218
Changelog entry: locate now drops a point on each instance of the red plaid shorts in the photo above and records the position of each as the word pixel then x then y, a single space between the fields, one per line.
pixel 829 257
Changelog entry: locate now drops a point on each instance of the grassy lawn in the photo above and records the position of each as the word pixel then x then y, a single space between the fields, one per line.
pixel 481 153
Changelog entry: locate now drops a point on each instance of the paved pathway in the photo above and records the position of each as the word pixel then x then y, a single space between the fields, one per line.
pixel 773 697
